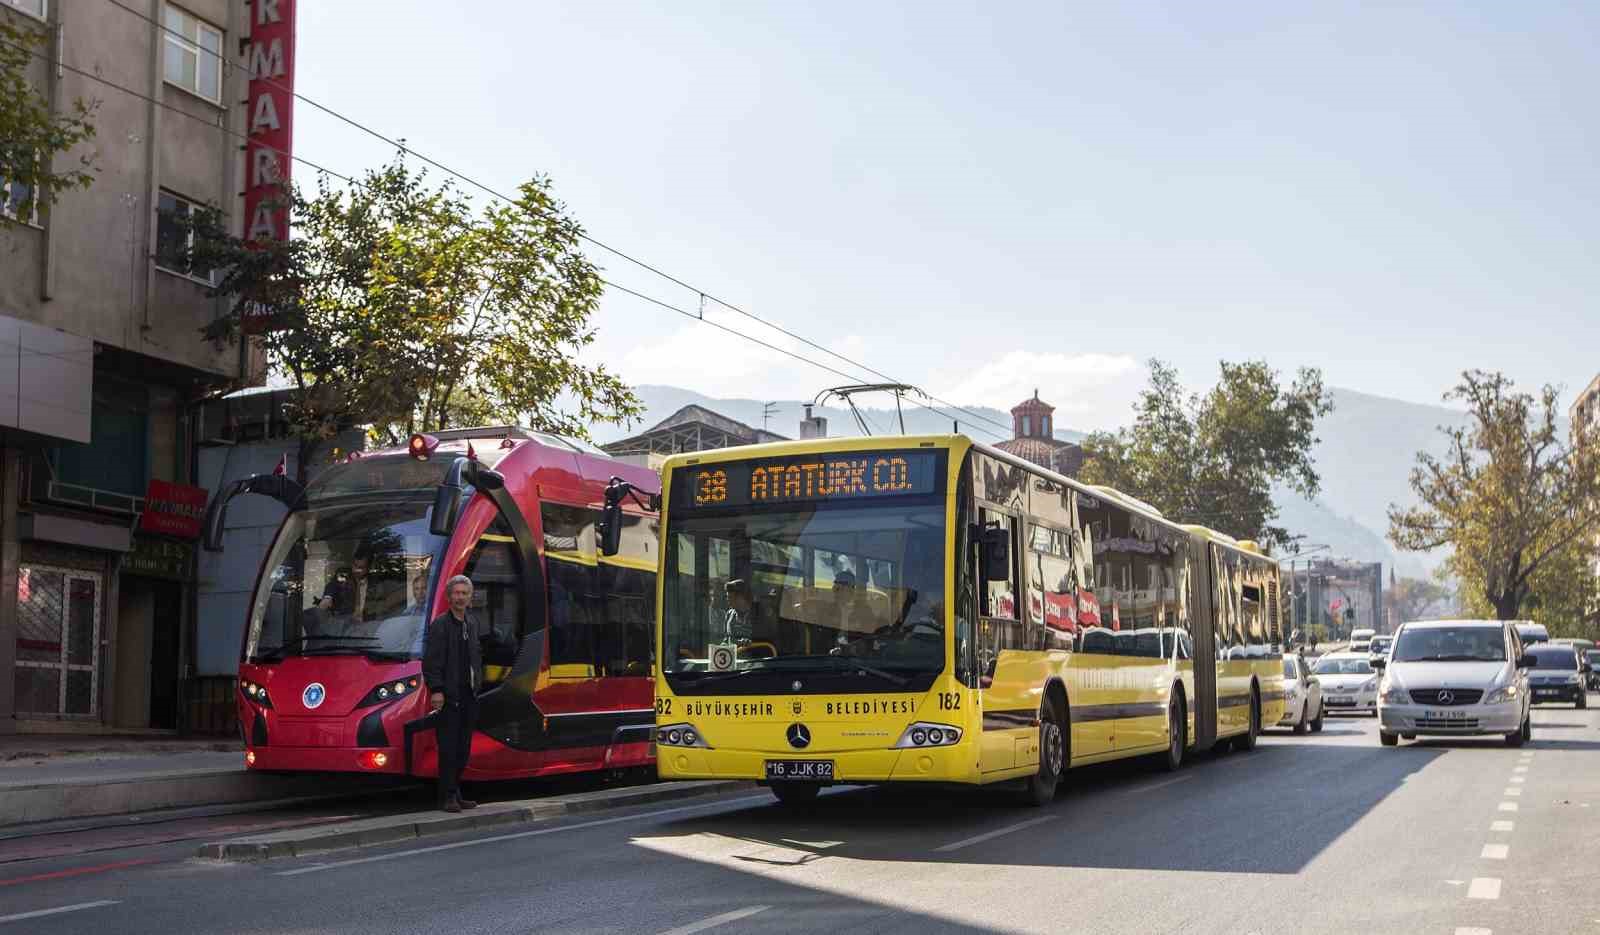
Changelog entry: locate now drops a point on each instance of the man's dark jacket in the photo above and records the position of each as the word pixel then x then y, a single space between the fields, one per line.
pixel 442 651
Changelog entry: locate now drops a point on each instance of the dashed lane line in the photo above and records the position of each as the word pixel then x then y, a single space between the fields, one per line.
pixel 1502 826
pixel 41 913
pixel 1508 806
pixel 1473 931
pixel 1513 791
pixel 1484 888
pixel 1495 851
pixel 716 920
pixel 1519 779
pixel 989 835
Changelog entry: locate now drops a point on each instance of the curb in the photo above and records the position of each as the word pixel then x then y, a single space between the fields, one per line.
pixel 373 832
pixel 32 803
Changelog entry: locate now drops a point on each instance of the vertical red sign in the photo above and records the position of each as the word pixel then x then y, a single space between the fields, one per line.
pixel 269 125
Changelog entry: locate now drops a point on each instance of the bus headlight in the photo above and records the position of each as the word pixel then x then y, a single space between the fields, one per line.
pixel 680 735
pixel 924 734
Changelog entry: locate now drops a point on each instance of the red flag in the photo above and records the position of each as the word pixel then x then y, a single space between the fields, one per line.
pixel 283 465
pixel 471 455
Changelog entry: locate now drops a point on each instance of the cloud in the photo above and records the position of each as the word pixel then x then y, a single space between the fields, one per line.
pixel 716 363
pixel 1089 391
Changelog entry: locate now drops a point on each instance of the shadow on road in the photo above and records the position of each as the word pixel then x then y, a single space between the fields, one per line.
pixel 1223 812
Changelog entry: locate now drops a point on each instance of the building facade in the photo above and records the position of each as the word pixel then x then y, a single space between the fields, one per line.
pixel 693 428
pixel 1033 438
pixel 1585 415
pixel 103 366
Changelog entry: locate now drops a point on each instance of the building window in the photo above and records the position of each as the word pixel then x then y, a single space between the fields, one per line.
pixel 1027 426
pixel 194 54
pixel 17 203
pixel 30 7
pixel 175 236
pixel 1045 421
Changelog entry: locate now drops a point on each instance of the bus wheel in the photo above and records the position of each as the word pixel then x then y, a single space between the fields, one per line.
pixel 1177 735
pixel 1040 788
pixel 1247 741
pixel 796 794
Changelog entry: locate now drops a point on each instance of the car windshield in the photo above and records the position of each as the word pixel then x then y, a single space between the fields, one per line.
pixel 345 579
pixel 1594 656
pixel 820 589
pixel 1450 644
pixel 1554 657
pixel 1380 643
pixel 1331 666
pixel 1290 670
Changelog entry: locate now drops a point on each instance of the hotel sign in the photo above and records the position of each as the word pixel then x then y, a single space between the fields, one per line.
pixel 269 125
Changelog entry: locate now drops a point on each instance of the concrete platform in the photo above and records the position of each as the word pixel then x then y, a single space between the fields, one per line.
pixel 389 829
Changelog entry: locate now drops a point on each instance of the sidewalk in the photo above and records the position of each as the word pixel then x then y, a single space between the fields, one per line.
pixel 51 778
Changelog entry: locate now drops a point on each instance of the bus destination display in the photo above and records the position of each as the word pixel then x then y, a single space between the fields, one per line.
pixel 825 478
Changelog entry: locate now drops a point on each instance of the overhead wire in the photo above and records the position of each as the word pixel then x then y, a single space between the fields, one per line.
pixel 588 238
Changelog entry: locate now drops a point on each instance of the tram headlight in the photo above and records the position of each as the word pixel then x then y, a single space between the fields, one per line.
pixel 924 734
pixel 389 691
pixel 680 735
pixel 256 693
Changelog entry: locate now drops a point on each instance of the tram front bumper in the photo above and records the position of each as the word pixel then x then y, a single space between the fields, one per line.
pixel 383 760
pixel 957 763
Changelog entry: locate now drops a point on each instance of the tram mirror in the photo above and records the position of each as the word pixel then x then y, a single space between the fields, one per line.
pixel 446 504
pixel 216 521
pixel 996 544
pixel 610 528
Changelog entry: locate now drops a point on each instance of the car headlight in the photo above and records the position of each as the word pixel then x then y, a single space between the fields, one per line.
pixel 1370 684
pixel 1574 679
pixel 1395 693
pixel 926 734
pixel 680 735
pixel 1502 695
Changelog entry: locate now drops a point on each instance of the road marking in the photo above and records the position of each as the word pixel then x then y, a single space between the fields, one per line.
pixel 78 871
pixel 1519 769
pixel 717 920
pixel 1495 851
pixel 1502 825
pixel 41 913
pixel 987 835
pixel 1467 931
pixel 1513 791
pixel 1508 806
pixel 1484 888
pixel 745 800
pixel 1519 779
pixel 1140 790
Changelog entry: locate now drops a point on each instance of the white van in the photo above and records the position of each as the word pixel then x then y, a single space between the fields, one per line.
pixel 1361 639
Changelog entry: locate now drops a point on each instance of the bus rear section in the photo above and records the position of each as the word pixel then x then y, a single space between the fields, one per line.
pixel 330 671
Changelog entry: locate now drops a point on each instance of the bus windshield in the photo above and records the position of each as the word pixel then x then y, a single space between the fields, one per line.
pixel 808 589
pixel 346 579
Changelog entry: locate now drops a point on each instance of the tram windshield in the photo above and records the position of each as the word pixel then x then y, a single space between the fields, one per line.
pixel 346 579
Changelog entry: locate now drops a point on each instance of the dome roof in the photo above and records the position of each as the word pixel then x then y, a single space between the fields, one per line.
pixel 1031 406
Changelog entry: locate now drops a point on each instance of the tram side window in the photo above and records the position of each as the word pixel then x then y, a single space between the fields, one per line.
pixel 573 606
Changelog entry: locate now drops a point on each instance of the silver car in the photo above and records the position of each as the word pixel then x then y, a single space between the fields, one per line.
pixel 1349 683
pixel 1453 678
pixel 1302 696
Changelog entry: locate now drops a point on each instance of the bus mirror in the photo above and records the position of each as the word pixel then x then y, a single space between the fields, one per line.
pixel 996 554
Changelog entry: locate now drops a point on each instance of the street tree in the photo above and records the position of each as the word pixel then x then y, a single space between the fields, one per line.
pixel 31 136
pixel 1215 458
pixel 1512 497
pixel 1416 598
pixel 402 307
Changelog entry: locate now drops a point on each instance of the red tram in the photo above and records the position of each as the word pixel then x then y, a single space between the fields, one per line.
pixel 330 668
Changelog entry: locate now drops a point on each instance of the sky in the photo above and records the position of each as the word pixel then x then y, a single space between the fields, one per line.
pixel 983 199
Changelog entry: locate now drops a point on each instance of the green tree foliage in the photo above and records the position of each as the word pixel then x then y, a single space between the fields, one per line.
pixel 1214 459
pixel 30 135
pixel 1417 599
pixel 1559 592
pixel 403 307
pixel 1512 498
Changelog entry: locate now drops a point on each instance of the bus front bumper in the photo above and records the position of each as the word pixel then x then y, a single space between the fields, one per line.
pixel 956 763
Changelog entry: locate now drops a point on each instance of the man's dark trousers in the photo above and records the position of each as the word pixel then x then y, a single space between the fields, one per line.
pixel 456 722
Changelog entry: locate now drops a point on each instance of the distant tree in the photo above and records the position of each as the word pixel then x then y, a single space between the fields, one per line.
pixel 402 307
pixel 30 135
pixel 1214 459
pixel 1511 498
pixel 1559 593
pixel 1416 598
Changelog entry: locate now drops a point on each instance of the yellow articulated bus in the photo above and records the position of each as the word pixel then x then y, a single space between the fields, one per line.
pixel 930 609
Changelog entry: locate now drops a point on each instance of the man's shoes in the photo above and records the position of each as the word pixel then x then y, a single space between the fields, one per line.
pixel 450 806
pixel 466 803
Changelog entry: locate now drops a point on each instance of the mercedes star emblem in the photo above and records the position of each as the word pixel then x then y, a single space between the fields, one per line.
pixel 1447 696
pixel 799 736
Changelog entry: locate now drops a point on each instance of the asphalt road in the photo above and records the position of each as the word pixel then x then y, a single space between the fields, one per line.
pixel 1316 833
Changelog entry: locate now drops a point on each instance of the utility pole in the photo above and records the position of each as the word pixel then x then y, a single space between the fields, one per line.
pixel 768 410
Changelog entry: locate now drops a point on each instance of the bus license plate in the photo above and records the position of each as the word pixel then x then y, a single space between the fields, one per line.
pixel 804 770
pixel 1455 715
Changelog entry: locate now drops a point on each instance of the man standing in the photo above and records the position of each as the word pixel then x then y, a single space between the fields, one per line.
pixel 452 665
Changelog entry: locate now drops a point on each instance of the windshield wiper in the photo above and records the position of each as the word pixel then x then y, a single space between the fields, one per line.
pixel 278 652
pixel 846 662
pixel 1457 658
pixel 710 676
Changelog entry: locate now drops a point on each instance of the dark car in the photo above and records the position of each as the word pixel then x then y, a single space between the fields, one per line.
pixel 1593 657
pixel 1558 674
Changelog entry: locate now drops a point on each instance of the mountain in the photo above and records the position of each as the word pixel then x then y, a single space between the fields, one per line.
pixel 1365 452
pixel 980 422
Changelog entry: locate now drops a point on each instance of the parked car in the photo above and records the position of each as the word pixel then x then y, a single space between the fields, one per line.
pixel 1349 683
pixel 1302 696
pixel 1593 656
pixel 1455 678
pixel 1530 632
pixel 1380 645
pixel 1558 674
